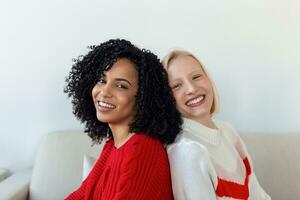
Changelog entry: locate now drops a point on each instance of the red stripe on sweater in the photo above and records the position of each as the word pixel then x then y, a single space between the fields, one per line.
pixel 234 190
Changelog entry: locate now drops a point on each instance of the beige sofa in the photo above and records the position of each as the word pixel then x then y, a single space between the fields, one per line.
pixel 58 166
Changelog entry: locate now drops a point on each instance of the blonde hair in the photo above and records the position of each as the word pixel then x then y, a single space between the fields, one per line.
pixel 177 53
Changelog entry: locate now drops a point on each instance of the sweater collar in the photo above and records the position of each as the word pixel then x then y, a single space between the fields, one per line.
pixel 203 133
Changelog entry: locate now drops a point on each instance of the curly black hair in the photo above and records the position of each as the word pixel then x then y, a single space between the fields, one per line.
pixel 156 115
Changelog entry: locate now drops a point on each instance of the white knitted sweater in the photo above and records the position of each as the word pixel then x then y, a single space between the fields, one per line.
pixel 212 164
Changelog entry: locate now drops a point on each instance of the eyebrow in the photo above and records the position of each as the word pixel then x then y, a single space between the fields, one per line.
pixel 192 72
pixel 122 79
pixel 197 71
pixel 117 79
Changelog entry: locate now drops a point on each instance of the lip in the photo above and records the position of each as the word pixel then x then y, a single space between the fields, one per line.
pixel 104 106
pixel 199 100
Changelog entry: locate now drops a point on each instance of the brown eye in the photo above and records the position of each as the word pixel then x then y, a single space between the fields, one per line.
pixel 196 77
pixel 122 86
pixel 101 81
pixel 176 86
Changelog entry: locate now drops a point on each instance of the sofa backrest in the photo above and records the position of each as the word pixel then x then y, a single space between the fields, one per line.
pixel 59 161
pixel 276 160
pixel 58 165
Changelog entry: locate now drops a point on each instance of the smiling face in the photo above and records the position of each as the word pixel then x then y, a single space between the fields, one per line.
pixel 191 88
pixel 114 94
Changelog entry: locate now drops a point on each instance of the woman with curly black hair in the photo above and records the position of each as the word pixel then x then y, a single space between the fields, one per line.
pixel 121 94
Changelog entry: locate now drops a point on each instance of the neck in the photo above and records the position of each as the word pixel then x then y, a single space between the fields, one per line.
pixel 120 134
pixel 207 121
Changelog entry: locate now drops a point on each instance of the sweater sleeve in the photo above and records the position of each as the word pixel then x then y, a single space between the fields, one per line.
pixel 80 193
pixel 257 192
pixel 191 172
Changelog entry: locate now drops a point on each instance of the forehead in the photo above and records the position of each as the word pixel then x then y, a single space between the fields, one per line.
pixel 183 65
pixel 122 68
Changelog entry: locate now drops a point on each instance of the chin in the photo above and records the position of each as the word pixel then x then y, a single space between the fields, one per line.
pixel 103 119
pixel 198 115
pixel 201 117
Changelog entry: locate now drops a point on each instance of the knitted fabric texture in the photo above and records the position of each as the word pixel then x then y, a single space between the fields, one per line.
pixel 212 164
pixel 139 169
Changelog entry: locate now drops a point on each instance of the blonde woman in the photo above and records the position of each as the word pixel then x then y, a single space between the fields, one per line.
pixel 208 160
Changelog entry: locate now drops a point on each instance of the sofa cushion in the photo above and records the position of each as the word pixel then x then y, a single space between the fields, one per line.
pixel 88 164
pixel 276 160
pixel 58 165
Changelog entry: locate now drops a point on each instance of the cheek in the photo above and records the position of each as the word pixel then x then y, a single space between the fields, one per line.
pixel 207 84
pixel 130 106
pixel 128 100
pixel 94 92
pixel 210 90
pixel 177 96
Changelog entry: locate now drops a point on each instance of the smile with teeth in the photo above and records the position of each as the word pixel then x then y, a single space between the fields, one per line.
pixel 106 105
pixel 196 101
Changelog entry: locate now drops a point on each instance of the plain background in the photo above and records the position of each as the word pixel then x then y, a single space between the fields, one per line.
pixel 251 48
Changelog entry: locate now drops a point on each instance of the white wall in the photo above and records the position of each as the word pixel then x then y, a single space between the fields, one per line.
pixel 250 47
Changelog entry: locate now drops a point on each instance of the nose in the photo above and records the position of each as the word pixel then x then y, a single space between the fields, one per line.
pixel 190 88
pixel 105 90
pixel 101 90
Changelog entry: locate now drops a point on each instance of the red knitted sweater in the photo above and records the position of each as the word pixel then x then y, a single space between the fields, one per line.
pixel 139 169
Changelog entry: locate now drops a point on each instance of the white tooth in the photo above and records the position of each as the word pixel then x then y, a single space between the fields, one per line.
pixel 103 104
pixel 196 100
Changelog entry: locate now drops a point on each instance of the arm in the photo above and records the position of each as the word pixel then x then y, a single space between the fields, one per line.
pixel 79 193
pixel 190 171
pixel 257 192
pixel 92 176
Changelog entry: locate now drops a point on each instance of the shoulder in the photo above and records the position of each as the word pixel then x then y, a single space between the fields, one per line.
pixel 227 129
pixel 141 139
pixel 142 151
pixel 144 144
pixel 187 149
pixel 108 146
pixel 232 135
pixel 189 161
pixel 223 125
